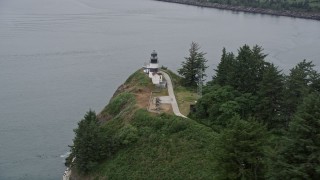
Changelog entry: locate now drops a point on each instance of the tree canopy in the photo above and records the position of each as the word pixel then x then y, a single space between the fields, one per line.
pixel 194 66
pixel 298 158
pixel 239 150
pixel 258 109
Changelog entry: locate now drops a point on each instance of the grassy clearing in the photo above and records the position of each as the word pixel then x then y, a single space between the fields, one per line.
pixel 185 97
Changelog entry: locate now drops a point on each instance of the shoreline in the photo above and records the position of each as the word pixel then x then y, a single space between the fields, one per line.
pixel 294 14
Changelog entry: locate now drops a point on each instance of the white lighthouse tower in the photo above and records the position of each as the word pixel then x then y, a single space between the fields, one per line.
pixel 152 69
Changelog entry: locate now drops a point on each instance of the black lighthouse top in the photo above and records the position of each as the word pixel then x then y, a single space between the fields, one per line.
pixel 154 58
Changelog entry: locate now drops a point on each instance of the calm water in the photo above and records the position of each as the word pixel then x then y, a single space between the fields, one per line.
pixel 58 58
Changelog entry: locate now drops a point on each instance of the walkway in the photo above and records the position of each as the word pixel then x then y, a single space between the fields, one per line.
pixel 174 103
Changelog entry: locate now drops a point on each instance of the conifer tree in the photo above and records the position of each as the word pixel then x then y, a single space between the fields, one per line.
pixel 299 159
pixel 87 147
pixel 225 70
pixel 298 85
pixel 239 150
pixel 249 69
pixel 195 63
pixel 220 104
pixel 270 97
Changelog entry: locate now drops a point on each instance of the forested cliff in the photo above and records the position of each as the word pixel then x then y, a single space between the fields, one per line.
pixel 252 122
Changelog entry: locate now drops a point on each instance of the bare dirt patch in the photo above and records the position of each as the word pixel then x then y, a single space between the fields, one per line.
pixel 142 97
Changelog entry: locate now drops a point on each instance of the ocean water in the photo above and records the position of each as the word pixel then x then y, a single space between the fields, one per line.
pixel 59 58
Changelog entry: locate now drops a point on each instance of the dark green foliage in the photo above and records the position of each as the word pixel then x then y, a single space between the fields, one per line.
pixel 127 134
pixel 209 105
pixel 301 81
pixel 315 79
pixel 249 69
pixel 94 142
pixel 299 158
pixel 247 86
pixel 222 103
pixel 192 66
pixel 247 102
pixel 167 147
pixel 239 150
pixel 269 108
pixel 243 72
pixel 226 69
pixel 275 97
pixel 89 146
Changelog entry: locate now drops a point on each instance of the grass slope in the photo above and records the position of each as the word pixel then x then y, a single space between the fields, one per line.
pixel 152 146
pixel 164 147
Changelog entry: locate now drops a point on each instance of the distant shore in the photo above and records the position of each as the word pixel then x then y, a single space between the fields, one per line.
pixel 295 14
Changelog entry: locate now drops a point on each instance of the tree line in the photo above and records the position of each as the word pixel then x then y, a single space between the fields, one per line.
pixel 295 5
pixel 268 122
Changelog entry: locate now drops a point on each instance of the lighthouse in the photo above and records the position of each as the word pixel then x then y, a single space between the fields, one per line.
pixel 154 64
pixel 152 69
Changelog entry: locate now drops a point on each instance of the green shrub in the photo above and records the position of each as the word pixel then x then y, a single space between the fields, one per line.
pixel 142 118
pixel 162 147
pixel 127 134
pixel 117 104
pixel 178 125
pixel 158 123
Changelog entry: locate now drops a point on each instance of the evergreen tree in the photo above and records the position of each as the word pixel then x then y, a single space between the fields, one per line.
pixel 225 70
pixel 270 95
pixel 222 103
pixel 212 106
pixel 299 159
pixel 247 103
pixel 195 63
pixel 87 147
pixel 249 69
pixel 315 79
pixel 239 150
pixel 298 84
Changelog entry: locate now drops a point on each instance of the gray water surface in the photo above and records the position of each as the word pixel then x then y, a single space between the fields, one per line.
pixel 58 58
